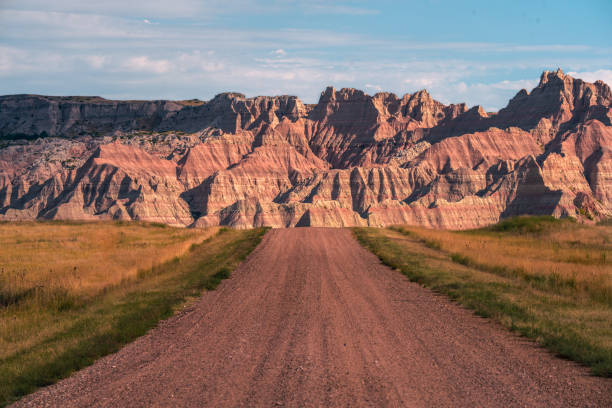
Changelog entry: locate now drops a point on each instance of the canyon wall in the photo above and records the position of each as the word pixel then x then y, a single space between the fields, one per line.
pixel 351 159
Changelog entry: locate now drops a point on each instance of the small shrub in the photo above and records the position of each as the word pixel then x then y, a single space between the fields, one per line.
pixel 432 244
pixel 214 281
pixel 525 224
pixel 461 259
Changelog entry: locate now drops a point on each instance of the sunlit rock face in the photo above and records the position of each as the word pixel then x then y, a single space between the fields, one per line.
pixel 351 159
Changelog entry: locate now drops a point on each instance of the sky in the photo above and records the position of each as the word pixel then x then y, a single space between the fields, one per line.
pixel 478 52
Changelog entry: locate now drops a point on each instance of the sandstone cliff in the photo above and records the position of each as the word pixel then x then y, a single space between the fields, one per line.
pixel 351 159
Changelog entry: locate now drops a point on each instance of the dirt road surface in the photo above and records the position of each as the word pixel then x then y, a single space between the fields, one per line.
pixel 311 319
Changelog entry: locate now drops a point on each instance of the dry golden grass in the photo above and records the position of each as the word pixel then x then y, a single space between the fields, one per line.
pixel 51 266
pixel 73 292
pixel 549 280
pixel 562 256
pixel 84 258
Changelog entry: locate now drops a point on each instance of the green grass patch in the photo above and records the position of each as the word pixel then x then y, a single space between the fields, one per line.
pixel 76 332
pixel 567 323
pixel 527 224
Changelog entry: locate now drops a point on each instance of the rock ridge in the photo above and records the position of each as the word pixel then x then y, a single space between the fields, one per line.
pixel 350 159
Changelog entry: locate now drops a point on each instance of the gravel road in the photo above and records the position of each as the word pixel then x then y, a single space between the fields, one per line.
pixel 311 319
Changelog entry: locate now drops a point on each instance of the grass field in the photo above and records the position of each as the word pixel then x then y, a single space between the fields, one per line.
pixel 547 279
pixel 42 262
pixel 73 292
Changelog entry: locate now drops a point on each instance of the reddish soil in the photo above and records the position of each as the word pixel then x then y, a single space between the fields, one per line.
pixel 313 319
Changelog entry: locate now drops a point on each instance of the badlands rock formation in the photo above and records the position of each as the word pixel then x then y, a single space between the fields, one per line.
pixel 351 159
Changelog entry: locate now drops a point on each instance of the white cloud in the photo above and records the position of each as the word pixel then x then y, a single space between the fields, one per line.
pixel 146 64
pixel 339 9
pixel 548 47
pixel 96 61
pixel 202 10
pixel 265 74
pixel 152 8
pixel 288 63
pixel 488 47
pixel 46 25
pixel 11 59
pixel 493 96
pixel 16 61
pixel 434 75
pixel 592 76
pixel 46 46
pixel 198 61
pixel 424 80
pixel 513 85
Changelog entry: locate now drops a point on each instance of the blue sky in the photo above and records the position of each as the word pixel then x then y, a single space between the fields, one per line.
pixel 479 52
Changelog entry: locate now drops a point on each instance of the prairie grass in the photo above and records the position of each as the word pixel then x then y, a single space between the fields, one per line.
pixel 56 319
pixel 519 278
pixel 57 262
pixel 561 256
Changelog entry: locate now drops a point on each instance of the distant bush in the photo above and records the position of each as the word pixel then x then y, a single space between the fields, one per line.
pixel 526 224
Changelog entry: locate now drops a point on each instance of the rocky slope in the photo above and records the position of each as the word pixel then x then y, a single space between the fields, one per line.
pixel 351 159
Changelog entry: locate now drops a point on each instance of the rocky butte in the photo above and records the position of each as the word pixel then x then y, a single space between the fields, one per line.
pixel 351 159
